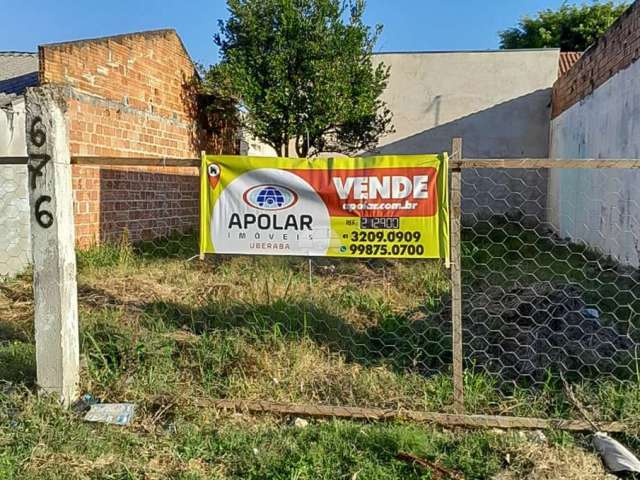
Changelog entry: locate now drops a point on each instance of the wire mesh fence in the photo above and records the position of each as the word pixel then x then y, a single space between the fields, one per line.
pixel 14 221
pixel 551 287
pixel 541 300
pixel 351 333
pixel 550 291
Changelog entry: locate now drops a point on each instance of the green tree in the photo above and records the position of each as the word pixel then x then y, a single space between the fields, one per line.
pixel 303 70
pixel 570 28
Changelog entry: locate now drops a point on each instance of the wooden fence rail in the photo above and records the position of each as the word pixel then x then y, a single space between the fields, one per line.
pixel 597 163
pixel 379 414
pixel 463 163
pixel 14 160
pixel 136 161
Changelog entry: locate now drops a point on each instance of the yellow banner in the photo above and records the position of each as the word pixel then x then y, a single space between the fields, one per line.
pixel 369 207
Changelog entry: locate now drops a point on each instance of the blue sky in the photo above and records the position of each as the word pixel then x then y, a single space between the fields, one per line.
pixel 410 25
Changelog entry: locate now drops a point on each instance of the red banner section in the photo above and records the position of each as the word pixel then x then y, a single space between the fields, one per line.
pixel 376 192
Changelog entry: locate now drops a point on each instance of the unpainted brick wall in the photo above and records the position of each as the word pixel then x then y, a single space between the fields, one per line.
pixel 99 128
pixel 615 51
pixel 148 72
pixel 129 96
pixel 147 202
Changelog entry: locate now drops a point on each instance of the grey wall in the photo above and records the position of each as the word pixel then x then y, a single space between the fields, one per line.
pixel 15 249
pixel 601 208
pixel 498 101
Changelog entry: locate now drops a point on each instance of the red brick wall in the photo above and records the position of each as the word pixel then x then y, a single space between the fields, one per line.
pixel 616 50
pixel 96 128
pixel 146 71
pixel 129 96
pixel 147 202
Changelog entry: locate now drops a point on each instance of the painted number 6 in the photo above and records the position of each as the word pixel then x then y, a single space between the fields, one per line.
pixel 43 217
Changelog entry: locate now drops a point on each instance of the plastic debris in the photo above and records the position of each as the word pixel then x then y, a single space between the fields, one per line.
pixel 616 456
pixel 113 413
pixel 84 403
pixel 300 423
pixel 591 313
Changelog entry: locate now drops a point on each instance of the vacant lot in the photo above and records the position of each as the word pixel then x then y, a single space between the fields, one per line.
pixel 164 331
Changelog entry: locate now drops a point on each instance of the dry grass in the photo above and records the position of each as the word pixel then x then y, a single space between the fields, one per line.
pixel 159 330
pixel 543 461
pixel 16 308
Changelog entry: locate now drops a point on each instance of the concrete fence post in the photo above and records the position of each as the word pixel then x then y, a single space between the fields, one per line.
pixel 52 243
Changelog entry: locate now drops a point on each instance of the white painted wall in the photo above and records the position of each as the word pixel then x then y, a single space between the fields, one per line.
pixel 497 101
pixel 12 131
pixel 601 208
pixel 252 147
pixel 15 241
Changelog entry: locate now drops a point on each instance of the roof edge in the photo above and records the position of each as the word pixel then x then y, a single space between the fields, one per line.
pixel 143 33
pixel 158 31
pixel 15 52
pixel 497 50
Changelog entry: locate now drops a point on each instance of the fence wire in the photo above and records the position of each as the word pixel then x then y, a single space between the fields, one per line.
pixel 550 291
pixel 337 332
pixel 551 286
pixel 15 249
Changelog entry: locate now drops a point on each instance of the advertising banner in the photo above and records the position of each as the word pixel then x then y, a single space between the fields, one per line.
pixel 369 207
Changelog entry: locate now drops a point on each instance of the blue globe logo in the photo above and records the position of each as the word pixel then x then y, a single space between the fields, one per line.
pixel 270 197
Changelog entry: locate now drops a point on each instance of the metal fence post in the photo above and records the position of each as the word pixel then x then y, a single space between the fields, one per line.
pixel 456 281
pixel 203 153
pixel 53 244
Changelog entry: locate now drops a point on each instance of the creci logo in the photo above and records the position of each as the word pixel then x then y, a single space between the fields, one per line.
pixel 270 197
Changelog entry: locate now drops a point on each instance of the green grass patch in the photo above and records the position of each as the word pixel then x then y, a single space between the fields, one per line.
pixel 42 441
pixel 498 252
pixel 156 324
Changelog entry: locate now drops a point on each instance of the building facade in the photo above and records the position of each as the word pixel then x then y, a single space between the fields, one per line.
pixel 596 114
pixel 130 95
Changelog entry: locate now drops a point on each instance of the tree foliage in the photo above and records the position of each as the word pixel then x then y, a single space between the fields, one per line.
pixel 303 70
pixel 570 28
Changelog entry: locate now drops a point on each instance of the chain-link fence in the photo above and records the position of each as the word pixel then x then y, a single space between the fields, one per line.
pixel 550 296
pixel 15 248
pixel 550 291
pixel 551 286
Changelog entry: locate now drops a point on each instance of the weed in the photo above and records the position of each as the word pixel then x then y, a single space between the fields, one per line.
pixel 154 325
